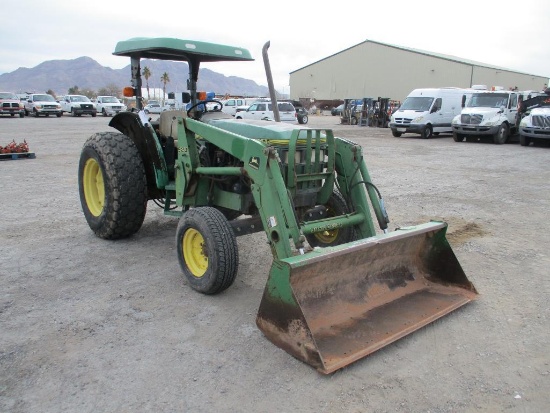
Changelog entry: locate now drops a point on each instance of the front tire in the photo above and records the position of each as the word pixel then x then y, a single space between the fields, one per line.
pixel 303 120
pixel 524 140
pixel 335 206
pixel 103 112
pixel 207 250
pixel 427 132
pixel 112 185
pixel 457 137
pixel 396 134
pixel 502 135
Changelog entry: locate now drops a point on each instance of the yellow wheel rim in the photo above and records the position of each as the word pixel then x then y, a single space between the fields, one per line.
pixel 194 252
pixel 94 187
pixel 326 237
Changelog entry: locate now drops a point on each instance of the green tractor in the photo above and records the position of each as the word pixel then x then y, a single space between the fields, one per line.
pixel 338 288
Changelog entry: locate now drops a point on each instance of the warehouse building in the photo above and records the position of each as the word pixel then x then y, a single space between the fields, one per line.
pixel 374 69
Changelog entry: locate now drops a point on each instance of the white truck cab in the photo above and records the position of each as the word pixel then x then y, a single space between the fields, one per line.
pixel 428 112
pixel 488 113
pixel 535 125
pixel 233 105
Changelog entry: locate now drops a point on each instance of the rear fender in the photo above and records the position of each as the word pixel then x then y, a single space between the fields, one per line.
pixel 149 148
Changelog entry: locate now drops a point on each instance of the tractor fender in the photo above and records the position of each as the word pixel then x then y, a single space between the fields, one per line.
pixel 130 125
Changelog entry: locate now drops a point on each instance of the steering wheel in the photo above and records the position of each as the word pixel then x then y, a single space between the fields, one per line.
pixel 198 115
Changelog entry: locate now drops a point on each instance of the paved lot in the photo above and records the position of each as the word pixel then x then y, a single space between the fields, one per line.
pixel 88 325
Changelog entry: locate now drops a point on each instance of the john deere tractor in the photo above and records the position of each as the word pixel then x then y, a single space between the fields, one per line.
pixel 340 287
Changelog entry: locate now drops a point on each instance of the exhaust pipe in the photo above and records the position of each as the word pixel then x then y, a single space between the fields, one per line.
pixel 270 83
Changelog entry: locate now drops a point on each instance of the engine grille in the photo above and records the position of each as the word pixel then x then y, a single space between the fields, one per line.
pixel 86 105
pixel 471 119
pixel 541 121
pixel 10 105
pixel 50 106
pixel 403 121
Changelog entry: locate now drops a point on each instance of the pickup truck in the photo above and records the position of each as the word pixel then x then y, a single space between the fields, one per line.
pixel 109 105
pixel 78 105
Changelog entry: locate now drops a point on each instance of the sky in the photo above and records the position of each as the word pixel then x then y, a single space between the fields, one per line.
pixel 506 33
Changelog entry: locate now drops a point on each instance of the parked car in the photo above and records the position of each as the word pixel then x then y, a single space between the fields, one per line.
pixel 301 112
pixel 338 110
pixel 11 105
pixel 78 105
pixel 264 111
pixel 109 105
pixel 42 104
pixel 153 107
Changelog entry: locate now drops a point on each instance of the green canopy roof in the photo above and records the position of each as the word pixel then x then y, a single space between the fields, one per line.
pixel 166 48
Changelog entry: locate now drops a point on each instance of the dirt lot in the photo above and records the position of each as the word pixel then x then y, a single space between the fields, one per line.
pixel 89 325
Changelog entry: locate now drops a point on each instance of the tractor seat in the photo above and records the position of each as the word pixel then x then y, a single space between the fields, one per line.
pixel 168 122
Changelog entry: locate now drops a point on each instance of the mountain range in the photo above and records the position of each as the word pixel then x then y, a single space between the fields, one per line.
pixel 86 73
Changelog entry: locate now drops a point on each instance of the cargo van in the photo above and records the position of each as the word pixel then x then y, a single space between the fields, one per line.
pixel 428 112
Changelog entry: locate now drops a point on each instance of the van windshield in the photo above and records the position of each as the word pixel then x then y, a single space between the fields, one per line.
pixel 488 100
pixel 419 103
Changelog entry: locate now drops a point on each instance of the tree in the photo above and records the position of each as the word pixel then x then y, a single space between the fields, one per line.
pixel 164 79
pixel 73 91
pixel 51 92
pixel 147 75
pixel 110 90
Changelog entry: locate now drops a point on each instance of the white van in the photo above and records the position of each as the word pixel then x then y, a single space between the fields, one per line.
pixel 428 112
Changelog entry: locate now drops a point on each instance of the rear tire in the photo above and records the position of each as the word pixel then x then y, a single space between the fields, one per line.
pixel 502 135
pixel 207 250
pixel 524 140
pixel 335 206
pixel 112 185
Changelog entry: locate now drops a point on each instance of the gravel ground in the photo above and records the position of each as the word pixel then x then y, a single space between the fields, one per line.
pixel 89 325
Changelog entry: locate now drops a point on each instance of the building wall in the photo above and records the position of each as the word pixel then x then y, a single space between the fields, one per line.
pixel 371 69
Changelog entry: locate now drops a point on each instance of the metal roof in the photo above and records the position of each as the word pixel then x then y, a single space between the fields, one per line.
pixel 426 53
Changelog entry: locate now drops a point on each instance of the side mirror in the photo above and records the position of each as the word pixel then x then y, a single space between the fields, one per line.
pixel 463 100
pixel 185 97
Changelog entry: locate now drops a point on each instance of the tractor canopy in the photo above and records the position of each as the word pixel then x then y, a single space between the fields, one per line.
pixel 166 48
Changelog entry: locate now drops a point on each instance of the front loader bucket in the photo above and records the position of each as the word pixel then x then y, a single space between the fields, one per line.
pixel 336 305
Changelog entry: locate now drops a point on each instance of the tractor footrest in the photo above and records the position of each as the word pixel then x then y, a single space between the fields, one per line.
pixel 23 155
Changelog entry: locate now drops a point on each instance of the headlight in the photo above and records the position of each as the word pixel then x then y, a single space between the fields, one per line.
pixel 58 106
pixel 524 122
pixel 38 106
pixel 21 106
pixel 418 119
